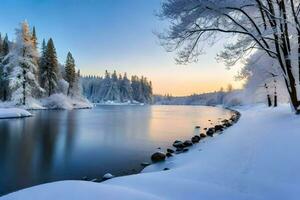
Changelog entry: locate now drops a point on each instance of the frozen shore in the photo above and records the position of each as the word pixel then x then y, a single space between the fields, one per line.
pixel 7 113
pixel 257 158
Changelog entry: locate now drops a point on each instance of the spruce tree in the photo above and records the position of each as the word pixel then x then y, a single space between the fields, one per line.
pixel 43 64
pixel 34 38
pixel 70 72
pixel 1 46
pixel 21 67
pixel 5 46
pixel 51 68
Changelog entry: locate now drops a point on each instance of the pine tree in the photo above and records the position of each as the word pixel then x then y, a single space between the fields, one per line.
pixel 43 64
pixel 1 46
pixel 105 86
pixel 34 38
pixel 51 68
pixel 70 72
pixel 113 93
pixel 4 50
pixel 125 89
pixel 5 46
pixel 21 67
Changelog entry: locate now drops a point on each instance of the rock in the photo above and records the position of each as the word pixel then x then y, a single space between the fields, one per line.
pixel 166 169
pixel 224 121
pixel 210 132
pixel 202 135
pixel 85 178
pixel 95 180
pixel 197 127
pixel 219 128
pixel 205 129
pixel 170 150
pixel 168 154
pixel 185 150
pixel 107 176
pixel 188 143
pixel 195 139
pixel 178 144
pixel 145 164
pixel 179 149
pixel 158 156
pixel 227 124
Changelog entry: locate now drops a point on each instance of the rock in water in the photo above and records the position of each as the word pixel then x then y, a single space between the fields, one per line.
pixel 203 135
pixel 108 176
pixel 170 150
pixel 178 144
pixel 210 132
pixel 168 154
pixel 158 156
pixel 188 143
pixel 195 139
pixel 185 150
pixel 219 128
pixel 145 164
pixel 197 127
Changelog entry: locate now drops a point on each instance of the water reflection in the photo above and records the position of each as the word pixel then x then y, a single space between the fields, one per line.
pixel 58 145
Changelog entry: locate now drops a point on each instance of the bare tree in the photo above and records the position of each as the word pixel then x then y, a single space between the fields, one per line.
pixel 271 26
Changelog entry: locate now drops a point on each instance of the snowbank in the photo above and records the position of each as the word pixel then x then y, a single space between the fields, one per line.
pixel 61 101
pixel 258 158
pixel 6 113
pixel 116 103
pixel 55 101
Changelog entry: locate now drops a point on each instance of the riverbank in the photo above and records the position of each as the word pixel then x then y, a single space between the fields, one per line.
pixel 9 113
pixel 55 101
pixel 255 159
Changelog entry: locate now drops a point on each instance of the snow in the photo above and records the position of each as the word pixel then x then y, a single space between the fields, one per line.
pixel 6 113
pixel 116 103
pixel 257 158
pixel 61 101
pixel 55 101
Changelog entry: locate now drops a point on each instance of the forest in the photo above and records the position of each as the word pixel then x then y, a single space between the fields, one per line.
pixel 27 74
pixel 117 88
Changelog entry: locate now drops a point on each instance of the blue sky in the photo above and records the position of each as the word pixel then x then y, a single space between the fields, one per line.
pixel 115 34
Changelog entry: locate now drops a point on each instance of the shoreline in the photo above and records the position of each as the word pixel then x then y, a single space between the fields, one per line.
pixel 235 116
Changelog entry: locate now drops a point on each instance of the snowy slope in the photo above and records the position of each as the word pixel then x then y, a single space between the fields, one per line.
pixel 13 113
pixel 258 158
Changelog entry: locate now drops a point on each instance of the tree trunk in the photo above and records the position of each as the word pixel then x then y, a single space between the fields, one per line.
pixel 24 87
pixel 275 93
pixel 268 96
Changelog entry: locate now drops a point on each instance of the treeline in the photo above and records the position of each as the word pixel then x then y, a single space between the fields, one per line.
pixel 117 88
pixel 26 72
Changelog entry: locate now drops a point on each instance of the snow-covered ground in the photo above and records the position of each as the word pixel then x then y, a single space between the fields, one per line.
pixel 115 103
pixel 258 158
pixel 6 113
pixel 55 101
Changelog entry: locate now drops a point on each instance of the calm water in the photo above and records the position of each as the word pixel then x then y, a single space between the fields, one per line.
pixel 59 145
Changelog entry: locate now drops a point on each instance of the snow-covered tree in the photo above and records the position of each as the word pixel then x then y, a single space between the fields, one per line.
pixel 112 88
pixel 125 89
pixel 5 46
pixel 4 50
pixel 34 38
pixel 267 25
pixel 70 72
pixel 113 92
pixel 21 67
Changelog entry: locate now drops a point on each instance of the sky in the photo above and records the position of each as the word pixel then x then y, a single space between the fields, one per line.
pixel 117 35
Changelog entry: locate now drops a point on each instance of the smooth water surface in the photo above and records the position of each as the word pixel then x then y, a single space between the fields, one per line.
pixel 57 144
